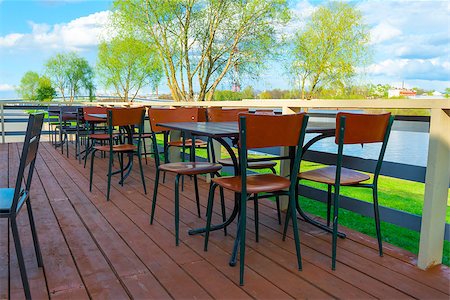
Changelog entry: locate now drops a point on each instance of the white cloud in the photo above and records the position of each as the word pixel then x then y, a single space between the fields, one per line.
pixel 4 87
pixel 412 69
pixel 384 31
pixel 78 34
pixel 11 39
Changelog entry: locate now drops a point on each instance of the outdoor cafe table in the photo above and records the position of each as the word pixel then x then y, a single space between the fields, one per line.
pixel 221 130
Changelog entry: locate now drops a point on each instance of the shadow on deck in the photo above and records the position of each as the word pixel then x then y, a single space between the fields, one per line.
pixel 99 249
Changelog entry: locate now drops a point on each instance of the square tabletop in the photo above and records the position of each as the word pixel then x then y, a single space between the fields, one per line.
pixel 231 129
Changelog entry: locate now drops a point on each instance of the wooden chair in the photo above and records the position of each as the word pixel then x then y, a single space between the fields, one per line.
pixel 95 135
pixel 128 118
pixel 158 115
pixel 231 115
pixel 13 199
pixel 353 129
pixel 261 131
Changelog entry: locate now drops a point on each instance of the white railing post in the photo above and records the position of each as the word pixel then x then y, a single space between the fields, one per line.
pixel 436 190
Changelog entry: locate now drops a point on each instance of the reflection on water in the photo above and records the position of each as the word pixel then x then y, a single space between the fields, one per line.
pixel 404 147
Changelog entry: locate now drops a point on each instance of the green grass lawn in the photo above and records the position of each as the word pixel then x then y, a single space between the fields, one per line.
pixel 395 193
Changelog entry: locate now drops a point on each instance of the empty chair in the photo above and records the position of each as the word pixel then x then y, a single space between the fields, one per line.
pixel 215 114
pixel 353 129
pixel 128 118
pixel 178 168
pixel 13 199
pixel 261 131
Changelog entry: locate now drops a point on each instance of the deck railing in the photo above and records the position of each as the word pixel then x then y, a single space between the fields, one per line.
pixel 436 175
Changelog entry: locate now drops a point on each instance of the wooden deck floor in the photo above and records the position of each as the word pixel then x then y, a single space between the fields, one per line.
pixel 107 250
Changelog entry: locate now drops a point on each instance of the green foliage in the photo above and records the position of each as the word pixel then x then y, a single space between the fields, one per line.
pixel 279 94
pixel 128 64
pixel 28 86
pixel 447 92
pixel 45 91
pixel 224 95
pixel 329 48
pixel 199 42
pixel 379 90
pixel 72 72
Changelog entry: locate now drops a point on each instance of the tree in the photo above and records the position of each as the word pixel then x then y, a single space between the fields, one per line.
pixel 68 70
pixel 330 47
pixel 199 41
pixel 45 91
pixel 28 85
pixel 128 64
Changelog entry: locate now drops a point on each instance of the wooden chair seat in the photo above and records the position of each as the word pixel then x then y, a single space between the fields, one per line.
pixel 260 183
pixel 255 165
pixel 101 136
pixel 190 168
pixel 117 148
pixel 328 175
pixel 187 143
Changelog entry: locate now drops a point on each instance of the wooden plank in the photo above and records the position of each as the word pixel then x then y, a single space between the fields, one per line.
pixel 184 257
pixel 361 273
pixel 61 272
pixel 437 294
pixel 140 282
pixel 333 285
pixel 436 190
pixel 192 214
pixel 166 240
pixel 96 273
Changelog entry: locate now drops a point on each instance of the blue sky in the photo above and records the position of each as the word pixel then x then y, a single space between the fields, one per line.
pixel 410 40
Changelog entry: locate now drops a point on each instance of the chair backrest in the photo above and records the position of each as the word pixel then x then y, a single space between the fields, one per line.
pixel 126 116
pixel 27 160
pixel 271 130
pixel 217 114
pixel 202 114
pixel 260 131
pixel 89 110
pixel 164 115
pixel 362 128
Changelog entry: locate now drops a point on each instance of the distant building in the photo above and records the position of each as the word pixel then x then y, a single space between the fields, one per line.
pixel 401 92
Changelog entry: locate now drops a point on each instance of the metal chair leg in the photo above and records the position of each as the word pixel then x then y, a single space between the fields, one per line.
pixel 328 205
pixel 242 226
pixel 377 219
pixel 209 208
pixel 293 211
pixel 121 167
pixel 177 208
pixel 224 214
pixel 155 193
pixel 20 260
pixel 142 173
pixel 277 200
pixel 91 172
pixel 111 155
pixel 37 249
pixel 286 221
pixel 335 229
pixel 255 202
pixel 197 197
